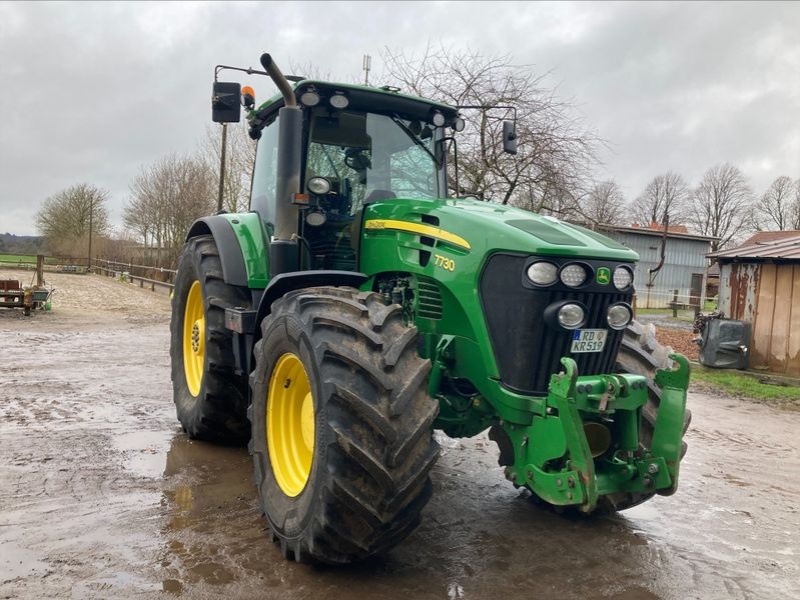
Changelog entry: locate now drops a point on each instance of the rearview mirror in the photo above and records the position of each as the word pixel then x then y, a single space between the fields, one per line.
pixel 225 102
pixel 509 137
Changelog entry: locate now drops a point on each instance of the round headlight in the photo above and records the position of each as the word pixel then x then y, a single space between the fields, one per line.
pixel 570 316
pixel 319 185
pixel 458 124
pixel 543 273
pixel 623 278
pixel 339 100
pixel 573 275
pixel 619 315
pixel 438 119
pixel 309 98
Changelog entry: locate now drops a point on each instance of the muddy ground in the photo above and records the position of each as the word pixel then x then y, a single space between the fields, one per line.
pixel 102 495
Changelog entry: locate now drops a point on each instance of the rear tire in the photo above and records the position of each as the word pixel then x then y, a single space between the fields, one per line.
pixel 641 354
pixel 359 487
pixel 210 398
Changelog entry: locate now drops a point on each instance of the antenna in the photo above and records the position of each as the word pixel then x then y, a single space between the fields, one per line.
pixel 366 66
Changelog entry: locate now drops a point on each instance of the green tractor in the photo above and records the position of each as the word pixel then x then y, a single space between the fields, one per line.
pixel 357 308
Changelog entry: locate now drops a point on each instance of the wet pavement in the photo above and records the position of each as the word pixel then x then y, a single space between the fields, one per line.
pixel 102 495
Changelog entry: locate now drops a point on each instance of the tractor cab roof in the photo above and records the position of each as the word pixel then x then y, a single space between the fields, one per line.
pixel 358 97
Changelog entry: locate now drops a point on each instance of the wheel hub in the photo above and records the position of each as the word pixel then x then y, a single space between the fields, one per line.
pixel 290 424
pixel 198 334
pixel 194 335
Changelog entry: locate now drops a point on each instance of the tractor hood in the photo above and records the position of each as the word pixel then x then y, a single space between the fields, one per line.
pixel 471 226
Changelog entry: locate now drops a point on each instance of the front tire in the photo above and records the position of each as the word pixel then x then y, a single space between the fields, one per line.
pixel 210 398
pixel 641 354
pixel 341 425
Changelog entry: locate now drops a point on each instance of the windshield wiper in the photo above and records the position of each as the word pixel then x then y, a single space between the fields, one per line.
pixel 412 136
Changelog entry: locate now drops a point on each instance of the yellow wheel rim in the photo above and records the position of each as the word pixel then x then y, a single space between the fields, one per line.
pixel 194 339
pixel 290 424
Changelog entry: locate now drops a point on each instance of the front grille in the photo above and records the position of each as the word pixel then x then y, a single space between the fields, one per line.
pixel 527 350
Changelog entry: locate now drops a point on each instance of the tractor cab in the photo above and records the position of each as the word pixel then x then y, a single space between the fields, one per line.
pixel 359 145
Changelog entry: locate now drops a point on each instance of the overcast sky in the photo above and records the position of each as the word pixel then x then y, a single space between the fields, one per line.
pixel 91 92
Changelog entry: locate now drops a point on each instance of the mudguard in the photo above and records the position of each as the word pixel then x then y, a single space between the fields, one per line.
pixel 242 247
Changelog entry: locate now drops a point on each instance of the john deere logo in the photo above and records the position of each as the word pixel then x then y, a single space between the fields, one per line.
pixel 603 275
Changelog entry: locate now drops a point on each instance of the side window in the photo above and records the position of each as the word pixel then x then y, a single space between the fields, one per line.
pixel 262 192
pixel 412 176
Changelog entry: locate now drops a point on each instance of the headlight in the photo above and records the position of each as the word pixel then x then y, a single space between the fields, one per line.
pixel 623 278
pixel 573 275
pixel 619 315
pixel 437 119
pixel 543 273
pixel 319 186
pixel 571 316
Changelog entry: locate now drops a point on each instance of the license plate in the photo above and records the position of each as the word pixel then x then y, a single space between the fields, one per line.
pixel 588 340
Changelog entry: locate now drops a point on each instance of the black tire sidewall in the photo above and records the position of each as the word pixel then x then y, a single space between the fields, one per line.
pixel 289 516
pixel 188 273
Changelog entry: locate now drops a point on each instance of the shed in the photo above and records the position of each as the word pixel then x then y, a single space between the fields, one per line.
pixel 760 283
pixel 684 269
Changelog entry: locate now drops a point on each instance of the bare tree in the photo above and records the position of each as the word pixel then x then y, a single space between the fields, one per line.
pixel 166 198
pixel 239 160
pixel 666 194
pixel 779 207
pixel 65 218
pixel 722 205
pixel 604 205
pixel 556 151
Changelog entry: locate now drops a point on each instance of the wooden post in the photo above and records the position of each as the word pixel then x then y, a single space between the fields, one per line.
pixel 675 303
pixel 39 270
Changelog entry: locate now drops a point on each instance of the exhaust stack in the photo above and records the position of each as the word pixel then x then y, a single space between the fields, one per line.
pixel 283 251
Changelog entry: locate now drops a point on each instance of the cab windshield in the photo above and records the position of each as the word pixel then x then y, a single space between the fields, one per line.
pixel 369 157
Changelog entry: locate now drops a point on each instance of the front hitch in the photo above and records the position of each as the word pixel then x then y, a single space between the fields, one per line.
pixel 556 459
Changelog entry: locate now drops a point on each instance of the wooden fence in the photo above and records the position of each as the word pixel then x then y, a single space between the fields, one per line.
pixel 143 274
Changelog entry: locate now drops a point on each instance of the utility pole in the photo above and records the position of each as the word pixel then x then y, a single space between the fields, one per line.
pixel 366 64
pixel 222 166
pixel 91 210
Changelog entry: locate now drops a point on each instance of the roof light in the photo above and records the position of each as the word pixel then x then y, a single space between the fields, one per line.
pixel 458 124
pixel 437 119
pixel 309 98
pixel 339 100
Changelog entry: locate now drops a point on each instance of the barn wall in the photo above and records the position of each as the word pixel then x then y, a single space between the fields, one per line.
pixel 683 257
pixel 768 296
pixel 738 290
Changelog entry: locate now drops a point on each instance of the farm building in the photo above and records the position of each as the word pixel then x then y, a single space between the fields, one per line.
pixel 760 283
pixel 684 269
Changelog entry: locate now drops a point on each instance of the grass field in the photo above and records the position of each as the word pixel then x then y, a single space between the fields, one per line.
pixel 17 259
pixel 745 385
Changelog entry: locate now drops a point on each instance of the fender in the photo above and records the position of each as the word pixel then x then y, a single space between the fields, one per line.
pixel 242 247
pixel 288 282
pixel 247 329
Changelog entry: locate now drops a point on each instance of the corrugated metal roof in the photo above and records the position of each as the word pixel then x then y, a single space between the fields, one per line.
pixel 657 232
pixel 787 249
pixel 766 237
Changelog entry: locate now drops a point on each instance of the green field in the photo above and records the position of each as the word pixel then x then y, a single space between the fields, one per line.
pixel 25 259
